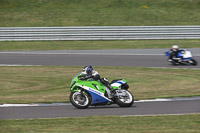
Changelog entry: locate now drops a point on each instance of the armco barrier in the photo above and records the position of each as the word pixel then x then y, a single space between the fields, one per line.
pixel 99 33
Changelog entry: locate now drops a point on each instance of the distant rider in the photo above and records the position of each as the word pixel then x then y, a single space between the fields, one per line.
pixel 89 72
pixel 174 52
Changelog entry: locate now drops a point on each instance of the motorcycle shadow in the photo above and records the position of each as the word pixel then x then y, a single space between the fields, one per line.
pixel 109 106
pixel 182 64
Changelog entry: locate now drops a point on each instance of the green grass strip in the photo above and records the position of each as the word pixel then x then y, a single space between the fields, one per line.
pixel 44 84
pixel 37 13
pixel 105 124
pixel 83 45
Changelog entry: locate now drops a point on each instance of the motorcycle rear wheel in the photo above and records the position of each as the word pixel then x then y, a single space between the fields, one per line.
pixel 80 101
pixel 125 101
pixel 194 62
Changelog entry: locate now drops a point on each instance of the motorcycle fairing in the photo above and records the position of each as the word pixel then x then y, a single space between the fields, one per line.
pixel 97 96
pixel 167 53
pixel 118 83
pixel 185 55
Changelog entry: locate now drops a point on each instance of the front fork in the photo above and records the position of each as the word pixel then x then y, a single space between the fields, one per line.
pixel 83 92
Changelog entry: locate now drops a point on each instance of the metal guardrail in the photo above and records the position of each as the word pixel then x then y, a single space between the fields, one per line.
pixel 99 33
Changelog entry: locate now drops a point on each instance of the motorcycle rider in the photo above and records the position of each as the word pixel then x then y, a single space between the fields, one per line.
pixel 174 52
pixel 89 72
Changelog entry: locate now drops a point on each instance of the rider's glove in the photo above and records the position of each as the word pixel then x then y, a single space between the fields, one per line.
pixel 82 78
pixel 105 79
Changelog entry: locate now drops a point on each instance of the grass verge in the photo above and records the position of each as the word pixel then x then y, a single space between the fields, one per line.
pixel 32 13
pixel 83 45
pixel 145 124
pixel 31 84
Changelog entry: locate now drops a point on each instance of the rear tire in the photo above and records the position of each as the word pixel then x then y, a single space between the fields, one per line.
pixel 125 101
pixel 194 62
pixel 80 101
pixel 125 86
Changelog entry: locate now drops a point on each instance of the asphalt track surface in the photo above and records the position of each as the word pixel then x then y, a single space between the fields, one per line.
pixel 127 57
pixel 138 108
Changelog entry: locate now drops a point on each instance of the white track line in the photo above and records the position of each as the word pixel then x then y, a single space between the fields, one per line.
pixel 170 99
pixel 175 68
pixel 80 53
pixel 159 114
pixel 51 53
pixel 34 104
pixel 18 65
pixel 140 101
pixel 144 67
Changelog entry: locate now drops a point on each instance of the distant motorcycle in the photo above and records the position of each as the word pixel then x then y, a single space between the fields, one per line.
pixel 183 57
pixel 92 93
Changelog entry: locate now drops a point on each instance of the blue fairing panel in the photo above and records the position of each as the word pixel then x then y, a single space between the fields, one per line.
pixel 179 55
pixel 97 98
pixel 167 53
pixel 187 58
pixel 119 82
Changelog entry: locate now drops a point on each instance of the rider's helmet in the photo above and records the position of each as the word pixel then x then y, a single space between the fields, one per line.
pixel 175 47
pixel 88 69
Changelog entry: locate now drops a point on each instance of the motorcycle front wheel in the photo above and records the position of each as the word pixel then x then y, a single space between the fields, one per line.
pixel 174 62
pixel 79 100
pixel 125 101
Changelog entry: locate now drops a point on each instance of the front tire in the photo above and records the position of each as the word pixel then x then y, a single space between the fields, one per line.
pixel 175 62
pixel 80 101
pixel 125 101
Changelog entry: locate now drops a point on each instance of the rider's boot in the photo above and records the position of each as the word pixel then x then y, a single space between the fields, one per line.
pixel 170 60
pixel 112 91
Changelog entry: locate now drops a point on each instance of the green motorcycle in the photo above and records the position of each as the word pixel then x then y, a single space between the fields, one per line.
pixel 93 93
